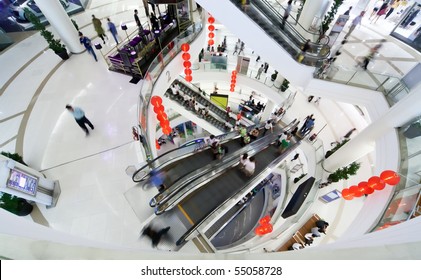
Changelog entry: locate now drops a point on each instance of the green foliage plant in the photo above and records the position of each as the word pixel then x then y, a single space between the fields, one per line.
pixel 330 16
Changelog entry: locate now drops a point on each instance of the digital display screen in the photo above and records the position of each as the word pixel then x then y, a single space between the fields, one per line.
pixel 23 182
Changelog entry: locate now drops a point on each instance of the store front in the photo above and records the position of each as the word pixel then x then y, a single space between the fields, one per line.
pixel 408 29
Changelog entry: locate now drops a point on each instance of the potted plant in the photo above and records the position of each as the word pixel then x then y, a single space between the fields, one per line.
pixel 330 16
pixel 338 145
pixel 344 173
pixel 285 85
pixel 11 203
pixel 54 44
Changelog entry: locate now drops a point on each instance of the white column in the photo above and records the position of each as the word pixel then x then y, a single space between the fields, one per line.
pixel 402 112
pixel 270 106
pixel 58 18
pixel 310 10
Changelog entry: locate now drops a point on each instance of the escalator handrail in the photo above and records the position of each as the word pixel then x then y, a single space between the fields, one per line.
pixel 187 185
pixel 291 28
pixel 187 179
pixel 175 189
pixel 183 238
pixel 151 164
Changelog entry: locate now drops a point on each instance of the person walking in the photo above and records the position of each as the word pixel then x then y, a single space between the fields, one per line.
pixel 348 11
pixel 154 235
pixel 98 28
pixel 373 51
pixel 286 13
pixel 394 6
pixel 259 71
pixel 112 29
pixel 382 11
pixel 87 43
pixel 356 21
pixel 80 118
pixel 249 167
pixel 268 126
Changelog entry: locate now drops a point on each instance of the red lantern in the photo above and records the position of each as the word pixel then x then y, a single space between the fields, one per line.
pixel 362 187
pixel 211 19
pixel 234 72
pixel 267 228
pixel 211 42
pixel 189 78
pixel 157 146
pixel 390 177
pixel 355 191
pixel 156 101
pixel 264 220
pixel 211 28
pixel 233 81
pixel 167 130
pixel 187 71
pixel 162 117
pixel 158 109
pixel 211 35
pixel 259 231
pixel 369 190
pixel 186 56
pixel 232 89
pixel 376 183
pixel 347 195
pixel 164 123
pixel 185 47
pixel 187 64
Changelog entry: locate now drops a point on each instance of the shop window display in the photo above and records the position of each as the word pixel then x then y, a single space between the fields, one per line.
pixel 408 29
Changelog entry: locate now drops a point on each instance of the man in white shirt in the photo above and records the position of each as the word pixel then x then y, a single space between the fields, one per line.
pixel 268 126
pixel 249 167
pixel 354 23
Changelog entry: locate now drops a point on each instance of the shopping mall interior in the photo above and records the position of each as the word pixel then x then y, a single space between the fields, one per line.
pixel 97 193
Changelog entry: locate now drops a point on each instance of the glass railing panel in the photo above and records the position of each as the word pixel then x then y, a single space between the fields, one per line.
pixel 363 79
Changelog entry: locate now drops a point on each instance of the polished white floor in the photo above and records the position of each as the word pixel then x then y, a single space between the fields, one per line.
pixel 97 196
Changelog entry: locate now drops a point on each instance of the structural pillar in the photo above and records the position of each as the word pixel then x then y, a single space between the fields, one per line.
pixel 401 113
pixel 270 106
pixel 58 18
pixel 310 10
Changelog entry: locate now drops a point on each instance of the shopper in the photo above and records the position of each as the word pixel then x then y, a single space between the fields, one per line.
pixel 259 71
pixel 112 29
pixel 98 28
pixel 373 51
pixel 356 21
pixel 243 159
pixel 80 118
pixel 249 167
pixel 268 126
pixel 382 11
pixel 87 43
pixel 286 13
pixel 154 235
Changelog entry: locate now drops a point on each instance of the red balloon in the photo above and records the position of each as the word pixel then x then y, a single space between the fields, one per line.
pixel 376 183
pixel 211 42
pixel 187 64
pixel 211 27
pixel 189 78
pixel 162 117
pixel 362 187
pixel 156 101
pixel 159 109
pixel 188 71
pixel 211 19
pixel 355 191
pixel 185 47
pixel 211 35
pixel 347 195
pixel 390 177
pixel 264 220
pixel 186 56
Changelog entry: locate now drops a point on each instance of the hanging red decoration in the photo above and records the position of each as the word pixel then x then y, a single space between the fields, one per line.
pixel 347 195
pixel 233 81
pixel 264 220
pixel 158 109
pixel 232 89
pixel 234 72
pixel 185 47
pixel 186 56
pixel 376 183
pixel 187 64
pixel 211 35
pixel 267 228
pixel 189 78
pixel 157 146
pixel 167 130
pixel 211 42
pixel 211 28
pixel 162 117
pixel 188 71
pixel 211 19
pixel 390 177
pixel 164 123
pixel 259 231
pixel 362 187
pixel 355 191
pixel 156 101
pixel 369 191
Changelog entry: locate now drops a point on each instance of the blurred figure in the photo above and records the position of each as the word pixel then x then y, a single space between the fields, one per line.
pixel 373 51
pixel 154 235
pixel 157 179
